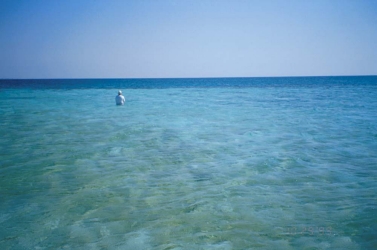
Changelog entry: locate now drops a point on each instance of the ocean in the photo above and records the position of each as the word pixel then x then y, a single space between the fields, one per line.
pixel 213 163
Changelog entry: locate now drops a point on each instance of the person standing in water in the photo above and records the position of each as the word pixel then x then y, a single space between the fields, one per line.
pixel 119 99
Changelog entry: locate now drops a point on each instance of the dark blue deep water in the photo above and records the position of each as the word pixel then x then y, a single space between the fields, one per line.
pixel 189 82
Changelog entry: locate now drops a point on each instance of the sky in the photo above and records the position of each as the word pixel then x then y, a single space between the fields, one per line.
pixel 186 38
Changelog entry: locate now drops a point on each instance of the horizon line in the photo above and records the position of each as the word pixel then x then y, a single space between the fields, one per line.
pixel 156 78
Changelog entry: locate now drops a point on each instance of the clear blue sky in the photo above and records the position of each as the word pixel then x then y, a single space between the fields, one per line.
pixel 187 38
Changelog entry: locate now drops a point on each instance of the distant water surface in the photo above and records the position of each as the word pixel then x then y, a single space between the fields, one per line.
pixel 215 163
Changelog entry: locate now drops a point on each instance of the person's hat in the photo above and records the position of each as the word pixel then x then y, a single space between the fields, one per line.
pixel 119 92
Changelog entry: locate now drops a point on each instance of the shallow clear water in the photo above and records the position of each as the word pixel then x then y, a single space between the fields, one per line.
pixel 283 165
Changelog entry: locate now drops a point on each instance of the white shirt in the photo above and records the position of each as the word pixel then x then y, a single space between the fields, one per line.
pixel 119 99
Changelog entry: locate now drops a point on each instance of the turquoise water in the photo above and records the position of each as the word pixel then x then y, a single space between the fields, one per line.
pixel 251 163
